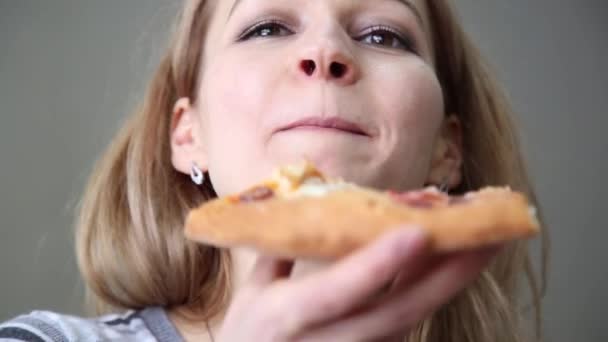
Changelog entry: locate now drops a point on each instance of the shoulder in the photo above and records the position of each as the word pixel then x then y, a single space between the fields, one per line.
pixel 46 326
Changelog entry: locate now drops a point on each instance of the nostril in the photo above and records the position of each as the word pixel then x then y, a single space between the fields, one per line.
pixel 308 66
pixel 337 70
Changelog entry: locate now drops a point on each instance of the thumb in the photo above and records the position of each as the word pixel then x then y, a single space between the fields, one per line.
pixel 267 269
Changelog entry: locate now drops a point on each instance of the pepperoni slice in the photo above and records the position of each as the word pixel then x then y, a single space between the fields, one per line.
pixel 455 200
pixel 424 199
pixel 257 193
pixel 428 198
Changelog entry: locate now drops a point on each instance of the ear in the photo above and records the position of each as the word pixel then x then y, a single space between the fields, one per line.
pixel 447 155
pixel 185 137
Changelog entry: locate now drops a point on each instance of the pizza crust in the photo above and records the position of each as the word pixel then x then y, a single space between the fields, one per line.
pixel 341 221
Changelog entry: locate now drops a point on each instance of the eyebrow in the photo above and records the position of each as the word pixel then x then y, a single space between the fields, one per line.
pixel 414 10
pixel 406 3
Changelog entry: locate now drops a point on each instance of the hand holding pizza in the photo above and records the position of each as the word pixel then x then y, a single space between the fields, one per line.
pixel 383 277
pixel 380 291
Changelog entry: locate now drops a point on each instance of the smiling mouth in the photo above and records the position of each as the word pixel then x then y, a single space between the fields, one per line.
pixel 325 124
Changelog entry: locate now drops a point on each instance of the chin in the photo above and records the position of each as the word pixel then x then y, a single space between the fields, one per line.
pixel 336 155
pixel 357 171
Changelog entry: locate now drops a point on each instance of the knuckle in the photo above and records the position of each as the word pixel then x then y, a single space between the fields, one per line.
pixel 329 306
pixel 385 263
pixel 382 269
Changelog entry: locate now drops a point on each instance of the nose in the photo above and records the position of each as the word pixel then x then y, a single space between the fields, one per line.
pixel 327 61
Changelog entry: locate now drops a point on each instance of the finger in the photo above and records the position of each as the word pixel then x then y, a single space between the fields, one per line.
pixel 402 312
pixel 267 269
pixel 350 282
pixel 425 267
pixel 406 276
pixel 402 279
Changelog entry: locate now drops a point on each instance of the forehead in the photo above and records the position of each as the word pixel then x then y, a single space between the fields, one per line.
pixel 415 6
pixel 224 8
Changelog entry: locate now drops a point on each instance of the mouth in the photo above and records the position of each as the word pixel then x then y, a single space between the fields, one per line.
pixel 331 124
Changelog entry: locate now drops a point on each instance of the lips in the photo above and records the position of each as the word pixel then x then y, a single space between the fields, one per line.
pixel 332 123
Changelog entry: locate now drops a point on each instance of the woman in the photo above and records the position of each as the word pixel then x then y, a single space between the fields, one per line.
pixel 422 109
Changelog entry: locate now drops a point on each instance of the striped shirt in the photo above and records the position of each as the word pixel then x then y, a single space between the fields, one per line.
pixel 148 325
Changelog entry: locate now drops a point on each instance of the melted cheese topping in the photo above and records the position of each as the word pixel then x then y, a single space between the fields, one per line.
pixel 303 179
pixel 319 189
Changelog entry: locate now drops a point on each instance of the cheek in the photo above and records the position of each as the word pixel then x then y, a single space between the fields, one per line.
pixel 229 94
pixel 411 97
pixel 411 102
pixel 233 95
pixel 238 90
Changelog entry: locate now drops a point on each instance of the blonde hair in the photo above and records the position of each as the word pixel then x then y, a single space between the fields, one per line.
pixel 130 245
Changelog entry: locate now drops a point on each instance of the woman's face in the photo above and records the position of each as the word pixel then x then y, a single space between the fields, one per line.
pixel 347 84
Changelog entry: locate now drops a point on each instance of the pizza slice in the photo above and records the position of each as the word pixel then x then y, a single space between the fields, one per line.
pixel 300 213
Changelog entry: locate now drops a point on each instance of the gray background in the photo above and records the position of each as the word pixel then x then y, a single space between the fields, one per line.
pixel 70 69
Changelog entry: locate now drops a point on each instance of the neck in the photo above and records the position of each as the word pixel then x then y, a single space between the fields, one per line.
pixel 199 330
pixel 202 330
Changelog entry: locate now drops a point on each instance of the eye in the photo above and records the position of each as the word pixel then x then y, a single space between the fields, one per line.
pixel 265 29
pixel 386 37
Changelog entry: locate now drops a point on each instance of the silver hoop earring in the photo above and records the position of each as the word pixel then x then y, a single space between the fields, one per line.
pixel 198 177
